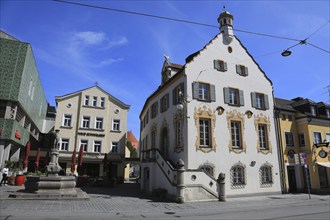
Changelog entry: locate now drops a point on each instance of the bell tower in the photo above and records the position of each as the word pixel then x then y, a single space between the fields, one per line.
pixel 225 20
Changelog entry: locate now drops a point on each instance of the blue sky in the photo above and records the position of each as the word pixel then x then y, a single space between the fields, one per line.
pixel 76 46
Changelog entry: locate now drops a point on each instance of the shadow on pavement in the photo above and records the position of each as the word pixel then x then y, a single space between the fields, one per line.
pixel 127 189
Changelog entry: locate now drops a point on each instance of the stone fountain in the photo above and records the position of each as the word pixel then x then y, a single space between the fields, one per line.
pixel 52 186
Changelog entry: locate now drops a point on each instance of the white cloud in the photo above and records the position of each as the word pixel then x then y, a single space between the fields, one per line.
pixel 116 42
pixel 107 62
pixel 88 38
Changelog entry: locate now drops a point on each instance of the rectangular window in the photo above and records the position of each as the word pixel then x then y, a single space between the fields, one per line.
pixel 154 110
pixel 164 103
pixel 242 70
pixel 236 134
pixel 327 137
pixel 99 123
pixel 67 120
pixel 283 116
pixel 317 137
pixel 102 101
pixel 114 147
pixel 313 110
pixel 233 97
pixel 177 94
pixel 97 146
pixel 327 111
pixel 86 101
pixel 86 122
pixel 289 139
pixel 116 125
pixel 84 144
pixel 263 140
pixel 266 174
pixel 259 100
pixel 94 101
pixel 301 137
pixel 204 92
pixel 204 132
pixel 65 144
pixel 220 65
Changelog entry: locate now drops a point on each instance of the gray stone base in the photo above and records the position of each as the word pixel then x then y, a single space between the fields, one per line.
pixel 50 187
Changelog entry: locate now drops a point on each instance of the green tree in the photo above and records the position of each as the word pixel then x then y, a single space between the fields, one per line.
pixel 131 149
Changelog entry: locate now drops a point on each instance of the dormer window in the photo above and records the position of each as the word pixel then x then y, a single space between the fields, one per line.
pixel 313 110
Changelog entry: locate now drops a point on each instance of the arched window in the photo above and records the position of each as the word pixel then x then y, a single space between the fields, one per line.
pixel 265 172
pixel 238 175
pixel 207 169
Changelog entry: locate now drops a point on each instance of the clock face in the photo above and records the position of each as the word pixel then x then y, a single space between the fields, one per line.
pixel 322 154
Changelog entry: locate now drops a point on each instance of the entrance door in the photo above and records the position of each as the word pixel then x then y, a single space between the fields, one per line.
pixel 292 179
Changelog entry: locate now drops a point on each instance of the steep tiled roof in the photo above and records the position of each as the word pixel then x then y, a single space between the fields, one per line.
pixel 284 104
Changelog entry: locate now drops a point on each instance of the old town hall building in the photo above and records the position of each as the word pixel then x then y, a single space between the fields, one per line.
pixel 212 115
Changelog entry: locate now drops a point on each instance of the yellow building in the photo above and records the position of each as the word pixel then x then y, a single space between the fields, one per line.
pixel 304 135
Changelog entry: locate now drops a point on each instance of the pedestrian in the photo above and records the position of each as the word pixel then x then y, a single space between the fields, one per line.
pixel 4 176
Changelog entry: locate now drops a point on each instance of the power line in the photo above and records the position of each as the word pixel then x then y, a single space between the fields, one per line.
pixel 171 19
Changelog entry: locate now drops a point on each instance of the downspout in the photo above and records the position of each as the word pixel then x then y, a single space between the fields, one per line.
pixel 279 149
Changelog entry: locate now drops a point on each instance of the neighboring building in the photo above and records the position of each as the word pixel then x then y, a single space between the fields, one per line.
pixel 95 120
pixel 132 169
pixel 216 113
pixel 304 131
pixel 23 106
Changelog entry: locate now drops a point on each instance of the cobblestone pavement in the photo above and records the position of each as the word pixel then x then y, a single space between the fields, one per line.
pixel 125 201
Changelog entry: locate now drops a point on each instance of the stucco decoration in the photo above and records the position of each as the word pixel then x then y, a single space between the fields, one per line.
pixel 234 115
pixel 205 113
pixel 260 118
pixel 178 132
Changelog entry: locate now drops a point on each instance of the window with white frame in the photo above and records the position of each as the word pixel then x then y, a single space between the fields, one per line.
pixel 289 139
pixel 99 123
pixel 86 101
pixel 263 136
pixel 64 144
pixel 238 175
pixel 220 65
pixel 84 145
pixel 102 102
pixel 204 132
pixel 301 137
pixel 86 122
pixel 67 120
pixel 259 100
pixel 317 137
pixel 204 91
pixel 266 174
pixel 154 109
pixel 236 134
pixel 116 125
pixel 94 101
pixel 114 148
pixel 242 70
pixel 327 137
pixel 97 146
pixel 164 103
pixel 313 110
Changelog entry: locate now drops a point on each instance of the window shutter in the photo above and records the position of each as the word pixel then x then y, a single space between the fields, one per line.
pixel 195 90
pixel 216 65
pixel 246 71
pixel 254 99
pixel 266 102
pixel 241 97
pixel 212 93
pixel 225 68
pixel 238 69
pixel 226 94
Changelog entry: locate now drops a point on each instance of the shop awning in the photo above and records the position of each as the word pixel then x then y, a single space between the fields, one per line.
pixel 325 164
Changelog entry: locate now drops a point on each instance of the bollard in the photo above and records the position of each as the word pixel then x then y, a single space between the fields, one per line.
pixel 180 183
pixel 221 191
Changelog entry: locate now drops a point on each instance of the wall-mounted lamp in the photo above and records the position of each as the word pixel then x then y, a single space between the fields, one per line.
pixel 253 163
pixel 182 105
pixel 249 113
pixel 220 110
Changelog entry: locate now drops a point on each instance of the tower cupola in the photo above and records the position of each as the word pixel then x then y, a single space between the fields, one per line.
pixel 225 20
